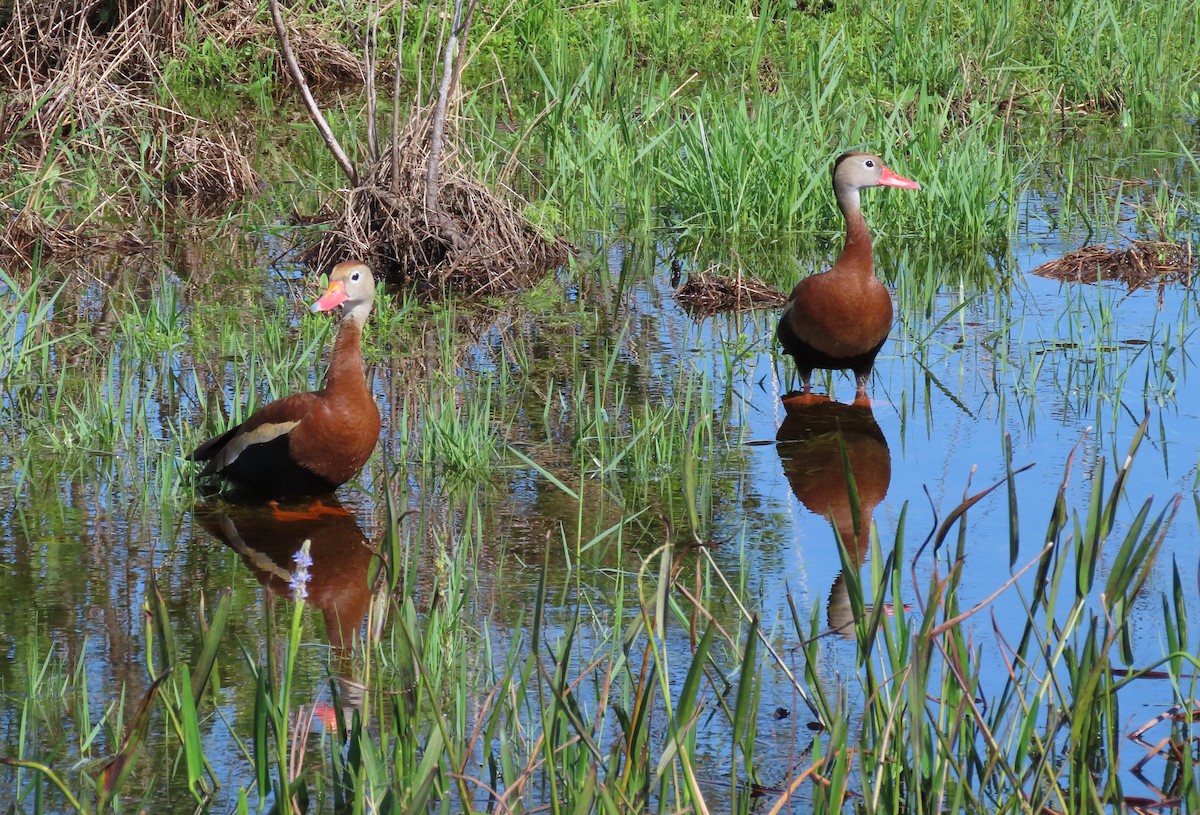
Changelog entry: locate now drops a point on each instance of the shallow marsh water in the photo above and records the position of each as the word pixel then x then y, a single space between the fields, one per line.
pixel 1067 372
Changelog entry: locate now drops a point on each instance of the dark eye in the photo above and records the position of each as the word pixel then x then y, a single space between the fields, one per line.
pixel 870 163
pixel 354 276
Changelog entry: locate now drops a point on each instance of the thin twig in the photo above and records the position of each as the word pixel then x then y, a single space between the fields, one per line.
pixel 314 111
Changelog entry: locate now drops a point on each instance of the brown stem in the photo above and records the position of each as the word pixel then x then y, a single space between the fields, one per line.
pixel 314 112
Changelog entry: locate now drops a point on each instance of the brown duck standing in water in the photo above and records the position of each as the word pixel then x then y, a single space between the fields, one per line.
pixel 840 318
pixel 309 443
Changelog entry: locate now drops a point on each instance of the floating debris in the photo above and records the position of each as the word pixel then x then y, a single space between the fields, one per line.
pixel 712 292
pixel 1142 263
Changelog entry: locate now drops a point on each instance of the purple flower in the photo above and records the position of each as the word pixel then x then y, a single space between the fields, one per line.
pixel 298 583
pixel 302 558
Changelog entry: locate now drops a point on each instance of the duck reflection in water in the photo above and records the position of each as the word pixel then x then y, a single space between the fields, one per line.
pixel 810 447
pixel 268 538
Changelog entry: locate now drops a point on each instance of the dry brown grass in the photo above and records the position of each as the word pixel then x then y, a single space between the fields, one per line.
pixel 327 63
pixel 80 110
pixel 482 246
pixel 713 291
pixel 1142 263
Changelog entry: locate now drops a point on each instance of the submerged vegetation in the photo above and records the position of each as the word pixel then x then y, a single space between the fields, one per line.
pixel 565 582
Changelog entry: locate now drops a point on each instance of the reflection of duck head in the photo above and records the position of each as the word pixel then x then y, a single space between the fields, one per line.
pixel 810 443
pixel 268 538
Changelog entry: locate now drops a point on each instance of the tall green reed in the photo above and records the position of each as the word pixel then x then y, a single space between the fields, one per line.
pixel 934 738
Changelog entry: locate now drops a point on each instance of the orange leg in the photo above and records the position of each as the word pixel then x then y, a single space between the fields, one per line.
pixel 314 512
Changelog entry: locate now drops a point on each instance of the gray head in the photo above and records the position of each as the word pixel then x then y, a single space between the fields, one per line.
pixel 855 171
pixel 352 287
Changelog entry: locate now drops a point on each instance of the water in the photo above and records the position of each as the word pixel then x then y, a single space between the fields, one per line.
pixel 1064 373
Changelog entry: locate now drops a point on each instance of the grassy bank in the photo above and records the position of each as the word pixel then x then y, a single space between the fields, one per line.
pixel 719 119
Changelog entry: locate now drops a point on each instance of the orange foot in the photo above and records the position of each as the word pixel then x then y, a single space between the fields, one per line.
pixel 315 511
pixel 801 399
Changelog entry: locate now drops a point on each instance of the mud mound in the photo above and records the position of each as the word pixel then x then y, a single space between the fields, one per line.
pixel 1142 263
pixel 712 291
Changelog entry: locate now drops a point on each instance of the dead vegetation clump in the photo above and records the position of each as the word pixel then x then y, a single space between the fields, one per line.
pixel 1142 263
pixel 473 241
pixel 713 291
pixel 413 214
pixel 208 168
pixel 326 62
pixel 84 97
pixel 45 37
pixel 79 113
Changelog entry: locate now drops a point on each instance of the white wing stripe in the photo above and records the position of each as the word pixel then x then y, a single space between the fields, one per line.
pixel 259 435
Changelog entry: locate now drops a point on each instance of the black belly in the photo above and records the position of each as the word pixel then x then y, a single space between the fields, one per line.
pixel 268 469
pixel 809 358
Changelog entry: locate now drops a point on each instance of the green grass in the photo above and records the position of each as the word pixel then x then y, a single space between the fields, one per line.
pixel 1051 734
pixel 730 119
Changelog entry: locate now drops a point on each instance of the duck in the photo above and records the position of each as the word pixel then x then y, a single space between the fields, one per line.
pixel 840 318
pixel 310 443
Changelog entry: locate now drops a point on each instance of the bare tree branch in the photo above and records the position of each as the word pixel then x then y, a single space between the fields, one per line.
pixel 462 49
pixel 449 64
pixel 396 101
pixel 314 112
pixel 370 51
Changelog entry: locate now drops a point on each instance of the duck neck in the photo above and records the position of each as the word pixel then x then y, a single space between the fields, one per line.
pixel 856 253
pixel 346 364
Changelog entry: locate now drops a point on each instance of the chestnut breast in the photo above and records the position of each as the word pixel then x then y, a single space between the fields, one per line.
pixel 337 436
pixel 842 315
